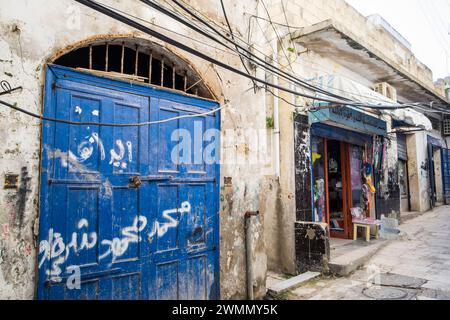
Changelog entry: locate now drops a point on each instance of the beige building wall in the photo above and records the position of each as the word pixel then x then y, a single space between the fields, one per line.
pixel 418 174
pixel 438 176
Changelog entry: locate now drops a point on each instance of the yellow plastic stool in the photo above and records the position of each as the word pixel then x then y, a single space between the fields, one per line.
pixel 367 227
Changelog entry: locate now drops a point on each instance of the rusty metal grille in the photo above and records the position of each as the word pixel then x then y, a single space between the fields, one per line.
pixel 135 62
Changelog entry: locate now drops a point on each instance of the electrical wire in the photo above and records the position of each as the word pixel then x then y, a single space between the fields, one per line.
pixel 275 23
pixel 260 62
pixel 316 88
pixel 278 36
pixel 7 89
pixel 140 124
pixel 232 37
pixel 171 31
pixel 266 65
pixel 310 86
pixel 271 92
pixel 111 13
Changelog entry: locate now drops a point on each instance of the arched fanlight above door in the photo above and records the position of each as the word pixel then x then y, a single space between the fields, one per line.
pixel 137 60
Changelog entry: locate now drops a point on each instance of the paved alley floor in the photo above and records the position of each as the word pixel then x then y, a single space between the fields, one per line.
pixel 413 268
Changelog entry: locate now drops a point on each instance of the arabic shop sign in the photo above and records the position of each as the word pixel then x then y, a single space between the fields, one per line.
pixel 350 118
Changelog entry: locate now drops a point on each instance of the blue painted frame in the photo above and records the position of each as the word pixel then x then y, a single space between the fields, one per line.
pixel 56 72
pixel 445 158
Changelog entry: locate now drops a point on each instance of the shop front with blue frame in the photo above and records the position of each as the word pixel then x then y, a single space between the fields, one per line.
pixel 347 155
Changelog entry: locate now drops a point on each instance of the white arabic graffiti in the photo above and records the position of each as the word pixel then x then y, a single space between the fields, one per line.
pixel 56 251
pixel 160 229
pixel 85 149
pixel 119 246
pixel 117 158
pixel 78 110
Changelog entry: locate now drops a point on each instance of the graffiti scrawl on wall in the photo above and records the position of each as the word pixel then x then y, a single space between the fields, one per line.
pixel 57 250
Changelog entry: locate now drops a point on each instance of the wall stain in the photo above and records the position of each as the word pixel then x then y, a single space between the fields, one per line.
pixel 18 199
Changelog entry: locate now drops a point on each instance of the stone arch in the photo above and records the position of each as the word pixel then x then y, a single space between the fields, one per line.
pixel 116 57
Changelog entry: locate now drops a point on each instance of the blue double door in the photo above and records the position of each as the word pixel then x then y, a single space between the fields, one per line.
pixel 125 214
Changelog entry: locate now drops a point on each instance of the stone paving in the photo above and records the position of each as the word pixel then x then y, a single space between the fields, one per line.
pixel 414 268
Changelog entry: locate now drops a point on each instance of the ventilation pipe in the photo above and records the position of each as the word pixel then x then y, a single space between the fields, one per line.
pixel 249 252
pixel 276 118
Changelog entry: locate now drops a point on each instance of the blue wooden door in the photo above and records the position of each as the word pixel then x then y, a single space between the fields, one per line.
pixel 446 174
pixel 121 216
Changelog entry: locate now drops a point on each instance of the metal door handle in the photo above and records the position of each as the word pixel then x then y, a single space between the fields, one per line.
pixel 136 181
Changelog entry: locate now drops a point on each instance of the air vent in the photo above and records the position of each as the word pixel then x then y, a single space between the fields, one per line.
pixel 446 127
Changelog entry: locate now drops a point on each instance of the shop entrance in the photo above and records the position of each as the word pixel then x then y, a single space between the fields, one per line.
pixel 335 187
pixel 338 183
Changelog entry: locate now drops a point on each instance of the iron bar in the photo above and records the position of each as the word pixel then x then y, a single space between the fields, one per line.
pixel 107 57
pixel 173 77
pixel 123 57
pixel 90 56
pixel 150 67
pixel 136 61
pixel 162 72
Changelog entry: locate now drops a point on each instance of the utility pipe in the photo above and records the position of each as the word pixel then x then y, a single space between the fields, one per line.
pixel 249 252
pixel 276 115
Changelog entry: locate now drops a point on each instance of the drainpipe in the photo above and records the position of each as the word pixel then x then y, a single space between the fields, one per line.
pixel 249 252
pixel 276 118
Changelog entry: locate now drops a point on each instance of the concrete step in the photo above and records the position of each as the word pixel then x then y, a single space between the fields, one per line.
pixel 292 283
pixel 347 263
pixel 404 217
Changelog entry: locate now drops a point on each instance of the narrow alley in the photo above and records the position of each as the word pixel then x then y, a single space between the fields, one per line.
pixel 416 267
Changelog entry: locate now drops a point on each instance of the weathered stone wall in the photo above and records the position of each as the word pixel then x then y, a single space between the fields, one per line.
pixel 418 173
pixel 33 33
pixel 438 176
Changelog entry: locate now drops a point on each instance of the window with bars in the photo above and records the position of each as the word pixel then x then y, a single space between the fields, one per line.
pixel 136 62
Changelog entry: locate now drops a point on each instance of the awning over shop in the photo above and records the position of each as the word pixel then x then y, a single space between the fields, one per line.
pixel 333 133
pixel 349 118
pixel 410 118
pixel 358 92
